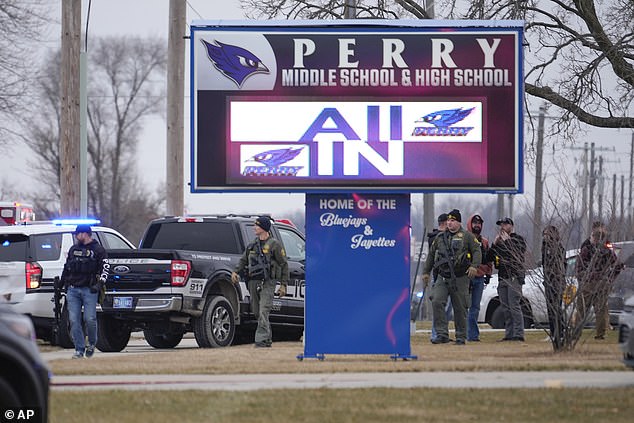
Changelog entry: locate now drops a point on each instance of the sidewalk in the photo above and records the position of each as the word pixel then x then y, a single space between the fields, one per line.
pixel 251 382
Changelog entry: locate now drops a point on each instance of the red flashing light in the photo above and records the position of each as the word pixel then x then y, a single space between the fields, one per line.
pixel 287 221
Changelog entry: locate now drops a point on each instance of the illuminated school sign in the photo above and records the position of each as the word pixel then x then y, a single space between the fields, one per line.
pixel 379 105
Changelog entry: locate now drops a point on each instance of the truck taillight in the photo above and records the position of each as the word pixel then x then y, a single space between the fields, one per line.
pixel 33 275
pixel 180 272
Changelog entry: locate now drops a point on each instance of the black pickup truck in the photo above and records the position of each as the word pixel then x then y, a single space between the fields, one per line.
pixel 179 280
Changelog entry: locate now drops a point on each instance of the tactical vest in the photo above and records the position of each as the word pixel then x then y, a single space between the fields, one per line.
pixel 452 257
pixel 260 264
pixel 83 261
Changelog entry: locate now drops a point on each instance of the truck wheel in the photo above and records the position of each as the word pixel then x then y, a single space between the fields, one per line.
pixel 216 326
pixel 62 337
pixel 65 340
pixel 112 335
pixel 162 340
pixel 497 318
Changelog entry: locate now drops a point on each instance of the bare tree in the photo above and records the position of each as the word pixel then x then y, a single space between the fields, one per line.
pixel 333 9
pixel 126 84
pixel 579 55
pixel 20 24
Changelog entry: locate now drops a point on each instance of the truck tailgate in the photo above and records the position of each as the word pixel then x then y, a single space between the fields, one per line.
pixel 139 270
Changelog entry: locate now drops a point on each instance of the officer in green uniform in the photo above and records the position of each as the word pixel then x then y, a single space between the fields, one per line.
pixel 262 265
pixel 456 255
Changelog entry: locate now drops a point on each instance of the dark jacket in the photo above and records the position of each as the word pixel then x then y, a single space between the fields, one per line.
pixel 508 257
pixel 596 266
pixel 86 265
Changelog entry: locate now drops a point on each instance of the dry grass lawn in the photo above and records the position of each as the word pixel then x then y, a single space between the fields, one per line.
pixel 347 405
pixel 488 355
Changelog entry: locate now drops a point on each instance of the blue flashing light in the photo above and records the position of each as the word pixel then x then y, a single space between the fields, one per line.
pixel 419 294
pixel 61 222
pixel 46 246
pixel 5 243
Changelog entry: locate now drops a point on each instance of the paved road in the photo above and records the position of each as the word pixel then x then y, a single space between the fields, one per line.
pixel 253 382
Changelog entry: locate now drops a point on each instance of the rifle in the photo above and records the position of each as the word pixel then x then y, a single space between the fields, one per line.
pixel 57 309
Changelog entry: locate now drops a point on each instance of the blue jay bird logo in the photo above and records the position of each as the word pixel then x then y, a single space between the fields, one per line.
pixel 236 63
pixel 276 157
pixel 273 161
pixel 445 118
pixel 442 121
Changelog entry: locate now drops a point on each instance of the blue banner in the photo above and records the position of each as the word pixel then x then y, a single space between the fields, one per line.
pixel 357 274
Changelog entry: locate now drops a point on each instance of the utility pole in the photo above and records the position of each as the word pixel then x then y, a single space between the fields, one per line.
pixel 429 200
pixel 622 199
pixel 500 206
pixel 350 9
pixel 69 114
pixel 600 188
pixel 591 193
pixel 613 214
pixel 539 183
pixel 175 98
pixel 629 201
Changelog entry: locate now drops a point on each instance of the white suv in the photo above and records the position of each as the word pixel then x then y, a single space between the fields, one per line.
pixel 31 256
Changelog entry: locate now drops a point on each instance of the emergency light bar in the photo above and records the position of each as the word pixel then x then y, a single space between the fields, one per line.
pixel 72 221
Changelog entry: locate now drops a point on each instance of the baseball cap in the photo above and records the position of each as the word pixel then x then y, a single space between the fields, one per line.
pixel 505 220
pixel 442 218
pixel 83 229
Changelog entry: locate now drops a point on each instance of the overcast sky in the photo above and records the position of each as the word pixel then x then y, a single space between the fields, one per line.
pixel 150 18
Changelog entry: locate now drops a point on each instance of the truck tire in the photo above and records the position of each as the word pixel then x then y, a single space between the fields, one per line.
pixel 216 327
pixel 162 340
pixel 112 335
pixel 497 318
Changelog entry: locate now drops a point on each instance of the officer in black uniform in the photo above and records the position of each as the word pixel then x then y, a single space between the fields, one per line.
pixel 85 272
pixel 263 264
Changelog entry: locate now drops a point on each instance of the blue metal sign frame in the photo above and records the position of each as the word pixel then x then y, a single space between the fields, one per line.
pixel 357 275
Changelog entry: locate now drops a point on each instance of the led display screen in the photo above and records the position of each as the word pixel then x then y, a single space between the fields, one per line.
pixel 363 107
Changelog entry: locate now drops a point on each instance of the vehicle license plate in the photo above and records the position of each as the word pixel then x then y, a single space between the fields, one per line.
pixel 122 302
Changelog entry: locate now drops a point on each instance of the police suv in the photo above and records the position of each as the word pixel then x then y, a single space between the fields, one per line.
pixel 31 256
pixel 179 280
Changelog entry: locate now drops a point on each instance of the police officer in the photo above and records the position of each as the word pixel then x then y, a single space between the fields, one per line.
pixel 85 272
pixel 507 253
pixel 262 265
pixel 456 255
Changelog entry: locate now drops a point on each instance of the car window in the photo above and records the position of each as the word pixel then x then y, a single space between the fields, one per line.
pixel 13 247
pixel 46 247
pixel 570 266
pixel 113 241
pixel 294 245
pixel 218 237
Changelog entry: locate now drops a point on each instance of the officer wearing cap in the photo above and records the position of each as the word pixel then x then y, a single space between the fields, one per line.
pixel 508 254
pixel 456 255
pixel 85 272
pixel 262 265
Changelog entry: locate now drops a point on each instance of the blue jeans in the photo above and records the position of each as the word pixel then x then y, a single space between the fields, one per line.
pixel 78 297
pixel 477 286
